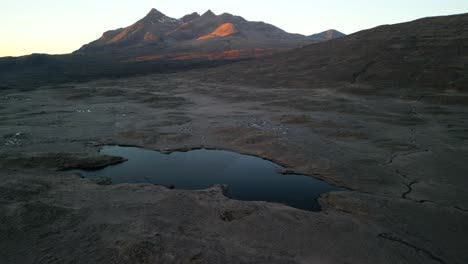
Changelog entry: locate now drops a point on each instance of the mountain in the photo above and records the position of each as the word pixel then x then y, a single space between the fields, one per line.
pixel 155 44
pixel 195 37
pixel 150 29
pixel 188 18
pixel 226 29
pixel 426 53
pixel 326 35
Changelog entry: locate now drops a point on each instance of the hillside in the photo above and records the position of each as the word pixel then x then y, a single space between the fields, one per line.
pixel 429 52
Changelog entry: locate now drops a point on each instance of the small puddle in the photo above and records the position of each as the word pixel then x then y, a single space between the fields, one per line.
pixel 249 178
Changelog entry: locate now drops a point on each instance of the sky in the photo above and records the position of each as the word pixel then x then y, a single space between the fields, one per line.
pixel 62 26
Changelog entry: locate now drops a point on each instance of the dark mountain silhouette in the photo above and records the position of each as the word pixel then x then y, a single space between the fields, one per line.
pixel 326 35
pixel 155 43
pixel 426 53
pixel 195 37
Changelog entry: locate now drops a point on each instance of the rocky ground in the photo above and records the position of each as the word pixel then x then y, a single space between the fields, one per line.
pixel 403 157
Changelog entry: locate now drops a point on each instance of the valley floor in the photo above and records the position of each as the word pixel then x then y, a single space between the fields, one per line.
pixel 403 159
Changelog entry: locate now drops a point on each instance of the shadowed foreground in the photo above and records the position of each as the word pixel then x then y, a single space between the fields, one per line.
pixel 401 159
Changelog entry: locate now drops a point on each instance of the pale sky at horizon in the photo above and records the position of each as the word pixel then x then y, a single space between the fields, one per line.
pixel 62 26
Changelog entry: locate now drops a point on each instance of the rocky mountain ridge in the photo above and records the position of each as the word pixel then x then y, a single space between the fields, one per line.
pixel 157 36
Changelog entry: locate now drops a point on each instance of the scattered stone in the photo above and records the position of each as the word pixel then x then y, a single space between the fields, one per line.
pixel 103 181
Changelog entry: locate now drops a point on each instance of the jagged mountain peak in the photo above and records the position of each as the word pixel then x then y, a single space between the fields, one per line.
pixel 189 17
pixel 159 34
pixel 155 16
pixel 209 13
pixel 155 11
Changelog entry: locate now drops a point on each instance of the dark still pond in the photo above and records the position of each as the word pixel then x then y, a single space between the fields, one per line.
pixel 249 178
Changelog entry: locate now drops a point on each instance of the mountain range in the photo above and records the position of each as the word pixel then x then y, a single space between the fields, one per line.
pixel 428 52
pixel 197 37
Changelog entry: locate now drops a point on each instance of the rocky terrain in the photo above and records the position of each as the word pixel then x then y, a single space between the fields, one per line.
pixel 402 160
pixel 393 134
pixel 195 37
